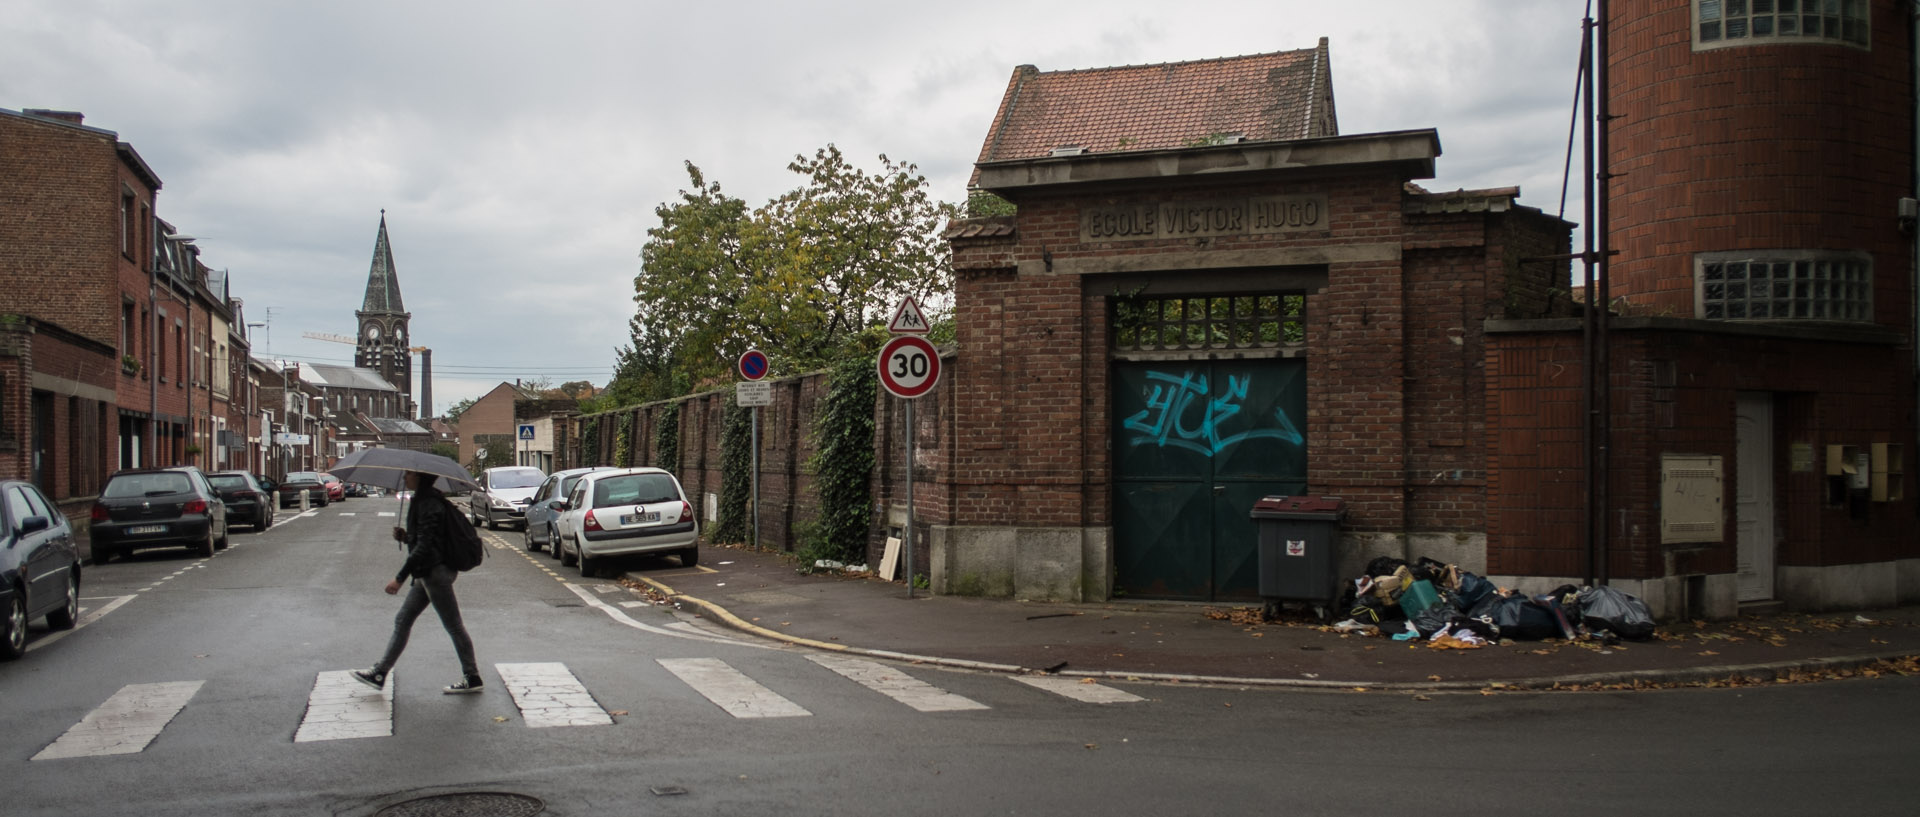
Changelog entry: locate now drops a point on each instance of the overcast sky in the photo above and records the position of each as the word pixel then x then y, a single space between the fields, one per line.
pixel 519 148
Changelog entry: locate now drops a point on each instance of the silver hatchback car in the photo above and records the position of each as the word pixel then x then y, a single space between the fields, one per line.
pixel 626 511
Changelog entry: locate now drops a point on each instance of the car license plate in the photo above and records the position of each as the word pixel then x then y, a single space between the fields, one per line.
pixel 638 518
pixel 138 530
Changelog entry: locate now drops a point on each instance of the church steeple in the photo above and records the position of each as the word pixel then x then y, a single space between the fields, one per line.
pixel 383 333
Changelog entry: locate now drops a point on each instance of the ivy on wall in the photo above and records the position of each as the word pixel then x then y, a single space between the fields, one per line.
pixel 622 448
pixel 736 474
pixel 666 438
pixel 843 463
pixel 590 442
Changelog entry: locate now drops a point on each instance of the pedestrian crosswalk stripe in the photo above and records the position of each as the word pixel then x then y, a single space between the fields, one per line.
pixel 126 723
pixel 895 684
pixel 1084 690
pixel 549 695
pixel 340 707
pixel 727 688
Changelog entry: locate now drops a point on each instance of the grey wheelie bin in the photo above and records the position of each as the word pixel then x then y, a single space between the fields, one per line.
pixel 1298 535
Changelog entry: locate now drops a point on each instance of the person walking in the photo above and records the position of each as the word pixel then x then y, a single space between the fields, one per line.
pixel 425 536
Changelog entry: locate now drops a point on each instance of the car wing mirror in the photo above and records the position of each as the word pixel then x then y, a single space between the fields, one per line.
pixel 35 524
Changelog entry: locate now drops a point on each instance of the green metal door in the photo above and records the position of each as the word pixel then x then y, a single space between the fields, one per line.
pixel 1195 444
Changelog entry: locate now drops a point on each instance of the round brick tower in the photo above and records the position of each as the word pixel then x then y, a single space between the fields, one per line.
pixel 1760 151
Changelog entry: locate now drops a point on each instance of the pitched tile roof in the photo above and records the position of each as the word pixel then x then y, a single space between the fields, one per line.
pixel 1281 96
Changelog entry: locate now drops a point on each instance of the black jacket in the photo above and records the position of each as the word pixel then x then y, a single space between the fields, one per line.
pixel 427 520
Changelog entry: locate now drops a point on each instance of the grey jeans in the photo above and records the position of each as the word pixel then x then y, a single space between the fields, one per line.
pixel 435 588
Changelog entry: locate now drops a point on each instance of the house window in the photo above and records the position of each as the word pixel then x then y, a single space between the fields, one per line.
pixel 1208 322
pixel 126 223
pixel 127 344
pixel 1809 285
pixel 1721 23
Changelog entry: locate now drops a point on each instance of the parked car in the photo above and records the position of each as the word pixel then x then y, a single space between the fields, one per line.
pixel 39 566
pixel 298 481
pixel 336 489
pixel 503 495
pixel 544 509
pixel 355 489
pixel 164 507
pixel 247 500
pixel 625 511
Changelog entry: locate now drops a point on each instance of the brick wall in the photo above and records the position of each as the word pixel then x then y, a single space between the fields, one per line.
pixel 1790 146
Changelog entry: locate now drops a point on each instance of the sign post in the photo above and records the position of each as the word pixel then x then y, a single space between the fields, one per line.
pixel 909 368
pixel 754 393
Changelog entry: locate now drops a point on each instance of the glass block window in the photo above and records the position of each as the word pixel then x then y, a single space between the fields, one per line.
pixel 1719 23
pixel 1789 286
pixel 1143 323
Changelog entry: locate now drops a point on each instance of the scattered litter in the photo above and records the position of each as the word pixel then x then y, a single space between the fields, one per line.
pixel 1860 619
pixel 723 563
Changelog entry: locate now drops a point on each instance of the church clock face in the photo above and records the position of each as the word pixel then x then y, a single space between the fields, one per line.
pixel 373 332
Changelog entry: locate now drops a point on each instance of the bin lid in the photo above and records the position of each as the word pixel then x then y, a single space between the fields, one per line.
pixel 1326 508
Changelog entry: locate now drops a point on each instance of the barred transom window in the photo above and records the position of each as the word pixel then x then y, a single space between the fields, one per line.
pixel 1796 286
pixel 1208 322
pixel 1733 22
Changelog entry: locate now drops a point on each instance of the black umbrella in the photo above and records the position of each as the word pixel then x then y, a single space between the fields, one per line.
pixel 388 467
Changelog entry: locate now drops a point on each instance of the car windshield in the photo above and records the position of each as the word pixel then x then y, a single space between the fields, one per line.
pixel 303 476
pixel 228 481
pixel 634 489
pixel 517 478
pixel 128 485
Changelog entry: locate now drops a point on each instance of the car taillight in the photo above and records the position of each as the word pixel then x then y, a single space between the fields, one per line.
pixel 686 510
pixel 591 523
pixel 99 512
pixel 195 506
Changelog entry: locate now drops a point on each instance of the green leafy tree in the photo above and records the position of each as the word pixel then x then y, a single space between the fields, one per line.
pixel 799 276
pixel 453 414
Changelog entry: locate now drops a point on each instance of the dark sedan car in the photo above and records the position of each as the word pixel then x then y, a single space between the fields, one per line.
pixel 39 567
pixel 247 500
pixel 308 481
pixel 166 507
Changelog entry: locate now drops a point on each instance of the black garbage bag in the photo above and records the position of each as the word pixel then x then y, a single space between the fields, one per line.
pixel 1432 570
pixel 1523 619
pixel 1439 617
pixel 1604 608
pixel 1384 566
pixel 1370 609
pixel 1472 589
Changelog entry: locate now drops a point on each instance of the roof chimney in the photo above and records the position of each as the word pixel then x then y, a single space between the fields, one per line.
pixel 71 117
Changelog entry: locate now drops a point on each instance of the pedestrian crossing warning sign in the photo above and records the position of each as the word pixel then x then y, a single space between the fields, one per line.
pixel 908 319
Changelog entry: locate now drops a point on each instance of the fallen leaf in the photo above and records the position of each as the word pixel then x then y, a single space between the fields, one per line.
pixel 1707 652
pixel 1421 698
pixel 1087 681
pixel 499 719
pixel 1093 746
pixel 1229 706
pixel 1359 689
pixel 618 712
pixel 1433 677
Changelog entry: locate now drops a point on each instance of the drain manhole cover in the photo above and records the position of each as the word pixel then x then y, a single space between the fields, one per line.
pixel 467 804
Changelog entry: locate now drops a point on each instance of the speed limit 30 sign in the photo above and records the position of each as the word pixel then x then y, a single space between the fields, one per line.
pixel 909 367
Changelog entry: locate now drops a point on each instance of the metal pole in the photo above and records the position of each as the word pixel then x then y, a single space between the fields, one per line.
pixel 756 476
pixel 906 538
pixel 1594 516
pixel 1604 398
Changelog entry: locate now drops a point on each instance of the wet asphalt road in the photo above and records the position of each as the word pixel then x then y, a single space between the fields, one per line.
pixel 705 722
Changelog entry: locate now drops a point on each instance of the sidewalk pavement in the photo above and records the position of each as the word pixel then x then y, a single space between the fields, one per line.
pixel 763 593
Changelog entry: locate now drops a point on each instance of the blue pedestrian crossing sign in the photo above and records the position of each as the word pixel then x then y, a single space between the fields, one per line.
pixel 526 431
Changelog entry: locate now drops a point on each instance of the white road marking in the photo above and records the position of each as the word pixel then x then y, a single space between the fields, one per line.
pixel 384 513
pixel 347 513
pixel 340 708
pixel 549 695
pixel 126 723
pixel 621 616
pixel 87 616
pixel 727 688
pixel 897 685
pixel 1078 690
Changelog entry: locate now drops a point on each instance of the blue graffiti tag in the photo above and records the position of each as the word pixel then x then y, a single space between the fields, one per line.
pixel 1167 405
